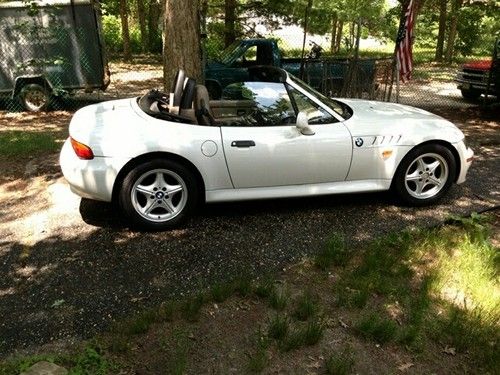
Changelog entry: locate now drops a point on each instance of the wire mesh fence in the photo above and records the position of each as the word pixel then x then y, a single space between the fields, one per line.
pixel 55 59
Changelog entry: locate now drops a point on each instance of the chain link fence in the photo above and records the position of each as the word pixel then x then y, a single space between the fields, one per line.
pixel 54 59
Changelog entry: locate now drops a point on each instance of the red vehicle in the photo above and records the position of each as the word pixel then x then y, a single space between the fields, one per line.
pixel 480 77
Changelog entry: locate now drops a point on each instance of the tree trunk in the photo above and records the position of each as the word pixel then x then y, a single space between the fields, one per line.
pixel 229 22
pixel 141 14
pixel 340 30
pixel 181 40
pixel 442 30
pixel 335 19
pixel 154 25
pixel 125 29
pixel 352 35
pixel 419 4
pixel 450 45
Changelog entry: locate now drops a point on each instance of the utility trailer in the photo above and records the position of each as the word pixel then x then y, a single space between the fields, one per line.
pixel 50 48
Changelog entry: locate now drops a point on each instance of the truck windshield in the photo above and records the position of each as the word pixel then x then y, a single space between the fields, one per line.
pixel 342 109
pixel 232 53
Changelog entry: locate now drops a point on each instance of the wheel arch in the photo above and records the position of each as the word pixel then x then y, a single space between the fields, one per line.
pixel 157 155
pixel 22 81
pixel 441 142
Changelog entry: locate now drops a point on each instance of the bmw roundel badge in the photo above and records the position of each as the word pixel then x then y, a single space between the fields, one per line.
pixel 359 142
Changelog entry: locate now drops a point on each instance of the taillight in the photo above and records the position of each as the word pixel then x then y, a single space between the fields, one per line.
pixel 82 151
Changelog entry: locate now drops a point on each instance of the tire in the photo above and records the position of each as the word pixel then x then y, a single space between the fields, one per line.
pixel 147 199
pixel 425 175
pixel 34 97
pixel 470 94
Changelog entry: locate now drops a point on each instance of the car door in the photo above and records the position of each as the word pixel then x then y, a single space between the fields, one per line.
pixel 266 149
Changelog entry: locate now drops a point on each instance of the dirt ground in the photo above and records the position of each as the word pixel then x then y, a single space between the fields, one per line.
pixel 57 250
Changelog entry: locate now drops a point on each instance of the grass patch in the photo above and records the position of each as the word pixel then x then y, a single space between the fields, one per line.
pixel 278 299
pixel 440 283
pixel 178 359
pixel 191 308
pixel 306 306
pixel 141 322
pixel 18 365
pixel 334 253
pixel 24 143
pixel 306 335
pixel 278 327
pixel 341 363
pixel 381 330
pixel 90 360
pixel 259 360
pixel 166 311
pixel 264 288
pixel 243 286
pixel 118 343
pixel 221 292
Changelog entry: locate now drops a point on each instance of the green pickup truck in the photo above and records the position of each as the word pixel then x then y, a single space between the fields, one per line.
pixel 325 74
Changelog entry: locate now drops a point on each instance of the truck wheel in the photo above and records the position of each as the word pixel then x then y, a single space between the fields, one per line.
pixel 470 94
pixel 34 97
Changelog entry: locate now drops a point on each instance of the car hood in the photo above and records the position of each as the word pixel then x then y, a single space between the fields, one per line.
pixel 408 124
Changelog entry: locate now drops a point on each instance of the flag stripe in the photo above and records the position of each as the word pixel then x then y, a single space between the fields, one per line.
pixel 404 54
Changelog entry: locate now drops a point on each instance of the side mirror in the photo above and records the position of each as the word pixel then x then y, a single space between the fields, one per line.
pixel 303 124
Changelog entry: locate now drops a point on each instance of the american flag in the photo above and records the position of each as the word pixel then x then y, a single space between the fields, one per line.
pixel 404 41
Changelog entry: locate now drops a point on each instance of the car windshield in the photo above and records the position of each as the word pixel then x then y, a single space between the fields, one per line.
pixel 342 109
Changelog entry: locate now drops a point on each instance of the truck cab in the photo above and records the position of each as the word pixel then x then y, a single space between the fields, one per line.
pixel 233 66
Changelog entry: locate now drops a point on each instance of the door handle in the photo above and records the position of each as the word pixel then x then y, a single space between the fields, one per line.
pixel 243 144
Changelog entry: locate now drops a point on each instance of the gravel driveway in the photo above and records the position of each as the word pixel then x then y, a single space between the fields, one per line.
pixel 70 267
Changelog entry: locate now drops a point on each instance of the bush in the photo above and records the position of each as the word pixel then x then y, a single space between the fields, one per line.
pixel 111 26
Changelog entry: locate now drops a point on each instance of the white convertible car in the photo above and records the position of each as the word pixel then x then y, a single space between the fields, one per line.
pixel 270 136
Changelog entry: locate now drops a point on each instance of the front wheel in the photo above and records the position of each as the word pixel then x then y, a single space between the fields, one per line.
pixel 425 175
pixel 159 194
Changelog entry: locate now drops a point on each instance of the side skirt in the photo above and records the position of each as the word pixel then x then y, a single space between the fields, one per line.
pixel 342 187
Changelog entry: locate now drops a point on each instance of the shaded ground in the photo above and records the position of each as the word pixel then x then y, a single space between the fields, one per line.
pixel 70 266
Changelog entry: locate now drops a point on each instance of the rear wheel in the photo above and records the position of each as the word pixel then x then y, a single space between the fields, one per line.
pixel 425 174
pixel 159 194
pixel 34 97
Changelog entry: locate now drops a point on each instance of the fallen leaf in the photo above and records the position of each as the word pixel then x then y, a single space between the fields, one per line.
pixel 405 367
pixel 343 324
pixel 450 351
pixel 137 299
pixel 58 303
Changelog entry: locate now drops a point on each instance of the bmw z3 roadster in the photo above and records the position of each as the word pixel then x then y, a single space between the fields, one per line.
pixel 268 136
